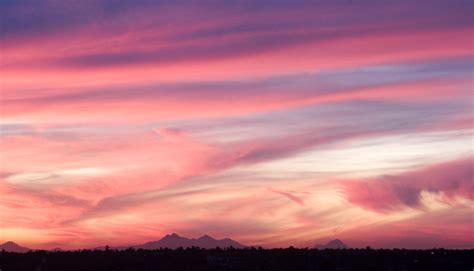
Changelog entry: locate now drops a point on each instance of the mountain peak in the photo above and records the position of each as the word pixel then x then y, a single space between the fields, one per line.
pixel 13 247
pixel 206 237
pixel 171 236
pixel 333 244
pixel 335 241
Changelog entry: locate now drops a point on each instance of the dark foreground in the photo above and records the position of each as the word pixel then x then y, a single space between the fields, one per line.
pixel 196 259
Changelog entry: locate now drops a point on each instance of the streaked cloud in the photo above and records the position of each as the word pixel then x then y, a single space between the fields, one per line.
pixel 274 124
pixel 451 179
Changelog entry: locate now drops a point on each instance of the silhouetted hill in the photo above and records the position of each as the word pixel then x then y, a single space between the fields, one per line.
pixel 333 244
pixel 174 241
pixel 13 247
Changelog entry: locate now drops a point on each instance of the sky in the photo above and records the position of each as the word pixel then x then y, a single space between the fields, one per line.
pixel 274 123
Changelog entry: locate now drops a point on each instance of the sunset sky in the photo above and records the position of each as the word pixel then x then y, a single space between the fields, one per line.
pixel 273 123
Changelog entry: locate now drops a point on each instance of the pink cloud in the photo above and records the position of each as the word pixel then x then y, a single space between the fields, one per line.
pixel 182 103
pixel 142 164
pixel 389 193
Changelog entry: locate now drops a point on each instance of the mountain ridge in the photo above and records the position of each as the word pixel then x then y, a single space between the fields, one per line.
pixel 10 246
pixel 174 241
pixel 333 244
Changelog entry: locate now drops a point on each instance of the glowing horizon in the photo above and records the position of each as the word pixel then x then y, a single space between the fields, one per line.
pixel 278 123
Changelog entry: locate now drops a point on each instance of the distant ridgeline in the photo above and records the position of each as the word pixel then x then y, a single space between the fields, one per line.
pixel 333 244
pixel 174 241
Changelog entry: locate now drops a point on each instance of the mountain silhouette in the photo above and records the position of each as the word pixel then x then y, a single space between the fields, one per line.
pixel 174 241
pixel 13 247
pixel 333 244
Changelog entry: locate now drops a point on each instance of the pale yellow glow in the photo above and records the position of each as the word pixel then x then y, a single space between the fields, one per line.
pixel 374 156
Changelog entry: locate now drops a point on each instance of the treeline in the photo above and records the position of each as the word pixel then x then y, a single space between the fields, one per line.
pixel 196 259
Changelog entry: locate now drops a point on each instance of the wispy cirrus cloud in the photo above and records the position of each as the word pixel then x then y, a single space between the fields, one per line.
pixel 289 195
